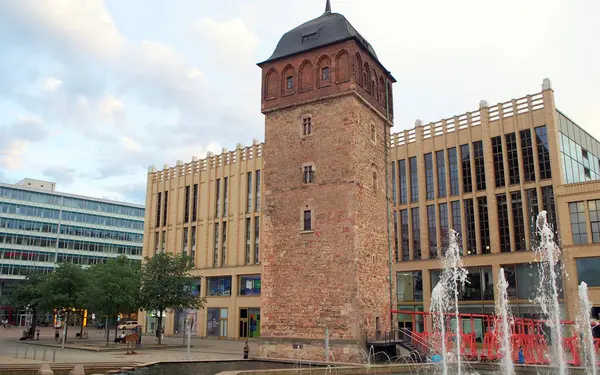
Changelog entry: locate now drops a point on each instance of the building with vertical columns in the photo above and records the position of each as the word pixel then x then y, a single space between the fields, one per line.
pixel 307 248
pixel 487 174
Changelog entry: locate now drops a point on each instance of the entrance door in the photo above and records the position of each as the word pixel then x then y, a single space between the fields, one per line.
pixel 223 324
pixel 244 323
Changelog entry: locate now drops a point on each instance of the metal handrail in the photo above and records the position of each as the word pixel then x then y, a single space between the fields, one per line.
pixel 412 337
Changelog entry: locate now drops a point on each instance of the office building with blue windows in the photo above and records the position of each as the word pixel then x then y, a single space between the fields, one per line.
pixel 40 228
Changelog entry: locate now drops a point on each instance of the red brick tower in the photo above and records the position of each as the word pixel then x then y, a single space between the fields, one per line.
pixel 327 102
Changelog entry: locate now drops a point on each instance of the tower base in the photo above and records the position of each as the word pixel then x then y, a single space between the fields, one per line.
pixel 345 351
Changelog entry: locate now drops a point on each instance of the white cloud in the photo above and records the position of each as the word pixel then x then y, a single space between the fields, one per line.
pixel 76 30
pixel 51 84
pixel 16 137
pixel 112 109
pixel 131 145
pixel 234 42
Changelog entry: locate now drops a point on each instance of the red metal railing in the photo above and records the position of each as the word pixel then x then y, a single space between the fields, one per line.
pixel 527 334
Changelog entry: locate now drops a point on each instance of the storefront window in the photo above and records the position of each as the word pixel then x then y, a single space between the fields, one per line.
pixel 587 271
pixel 216 322
pixel 219 286
pixel 409 286
pixel 212 321
pixel 250 285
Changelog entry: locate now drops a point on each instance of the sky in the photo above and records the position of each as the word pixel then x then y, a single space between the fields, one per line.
pixel 93 92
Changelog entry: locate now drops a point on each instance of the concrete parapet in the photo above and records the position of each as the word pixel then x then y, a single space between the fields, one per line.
pixel 45 370
pixel 77 370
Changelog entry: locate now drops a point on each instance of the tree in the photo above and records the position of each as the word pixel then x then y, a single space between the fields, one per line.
pixel 166 284
pixel 65 289
pixel 114 287
pixel 30 293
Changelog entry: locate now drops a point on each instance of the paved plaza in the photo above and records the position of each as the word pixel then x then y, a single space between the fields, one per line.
pixel 92 349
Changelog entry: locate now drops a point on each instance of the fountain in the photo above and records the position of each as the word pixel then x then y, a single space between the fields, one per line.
pixel 506 349
pixel 547 297
pixel 445 296
pixel 584 325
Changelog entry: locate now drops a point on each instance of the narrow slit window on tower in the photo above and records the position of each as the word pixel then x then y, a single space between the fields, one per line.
pixel 325 74
pixel 373 133
pixel 290 82
pixel 307 125
pixel 309 174
pixel 307 224
pixel 374 180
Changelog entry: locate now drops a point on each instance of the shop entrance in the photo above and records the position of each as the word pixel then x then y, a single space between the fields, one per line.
pixel 249 323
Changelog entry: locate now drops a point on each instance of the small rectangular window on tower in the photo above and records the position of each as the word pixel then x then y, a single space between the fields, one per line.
pixel 373 133
pixel 307 126
pixel 290 82
pixel 307 225
pixel 325 74
pixel 309 174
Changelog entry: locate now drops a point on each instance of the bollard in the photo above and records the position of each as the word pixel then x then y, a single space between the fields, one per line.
pixel 26 351
pixel 45 370
pixel 54 356
pixel 34 352
pixel 17 351
pixel 77 370
pixel 44 359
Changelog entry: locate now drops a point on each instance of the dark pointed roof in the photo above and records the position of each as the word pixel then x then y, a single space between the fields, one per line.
pixel 327 29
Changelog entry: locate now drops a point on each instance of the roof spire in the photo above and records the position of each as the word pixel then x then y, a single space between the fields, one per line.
pixel 327 7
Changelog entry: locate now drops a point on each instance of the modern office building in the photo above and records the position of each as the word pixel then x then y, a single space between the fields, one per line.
pixel 486 173
pixel 40 227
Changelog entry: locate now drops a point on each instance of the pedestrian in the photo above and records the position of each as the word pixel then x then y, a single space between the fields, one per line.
pixel 56 335
pixel 37 332
pixel 246 350
pixel 521 356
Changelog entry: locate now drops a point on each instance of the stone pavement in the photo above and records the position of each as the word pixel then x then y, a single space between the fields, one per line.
pixel 13 351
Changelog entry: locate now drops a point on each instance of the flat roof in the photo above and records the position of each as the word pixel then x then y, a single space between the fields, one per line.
pixel 41 191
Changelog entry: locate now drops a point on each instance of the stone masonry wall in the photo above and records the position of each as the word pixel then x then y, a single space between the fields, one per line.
pixel 337 275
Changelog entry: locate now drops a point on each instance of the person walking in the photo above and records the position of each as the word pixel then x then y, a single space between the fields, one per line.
pixel 37 332
pixel 246 350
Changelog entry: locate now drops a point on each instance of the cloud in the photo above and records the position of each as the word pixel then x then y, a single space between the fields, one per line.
pixel 234 42
pixel 83 36
pixel 112 109
pixel 51 84
pixel 61 175
pixel 17 136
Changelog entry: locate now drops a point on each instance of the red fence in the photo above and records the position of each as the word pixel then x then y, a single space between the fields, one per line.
pixel 530 335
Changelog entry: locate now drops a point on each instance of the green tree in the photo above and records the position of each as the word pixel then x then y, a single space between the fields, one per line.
pixel 114 287
pixel 166 284
pixel 65 289
pixel 31 292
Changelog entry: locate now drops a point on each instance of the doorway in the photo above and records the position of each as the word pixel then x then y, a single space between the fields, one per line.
pixel 249 323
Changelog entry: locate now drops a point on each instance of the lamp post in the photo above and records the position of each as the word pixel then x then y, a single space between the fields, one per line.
pixel 190 319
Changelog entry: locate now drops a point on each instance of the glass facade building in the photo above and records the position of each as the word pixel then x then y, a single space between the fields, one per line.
pixel 579 151
pixel 40 228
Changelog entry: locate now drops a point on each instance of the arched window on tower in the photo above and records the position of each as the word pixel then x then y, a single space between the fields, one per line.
pixel 374 90
pixel 288 80
pixel 342 67
pixel 324 72
pixel 359 70
pixel 366 79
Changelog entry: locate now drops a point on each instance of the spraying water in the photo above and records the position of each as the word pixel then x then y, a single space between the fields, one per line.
pixel 584 325
pixel 452 279
pixel 547 296
pixel 506 349
pixel 438 307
